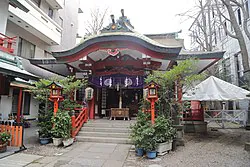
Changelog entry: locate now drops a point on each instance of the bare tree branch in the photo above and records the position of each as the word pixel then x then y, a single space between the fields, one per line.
pixel 95 24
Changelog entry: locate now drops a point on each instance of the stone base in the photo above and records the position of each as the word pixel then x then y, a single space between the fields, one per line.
pixel 195 127
pixel 179 138
pixel 247 146
pixel 248 127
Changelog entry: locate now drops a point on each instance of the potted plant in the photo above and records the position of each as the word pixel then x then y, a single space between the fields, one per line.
pixel 45 125
pixel 61 127
pixel 4 138
pixel 67 139
pixel 142 121
pixel 149 143
pixel 164 134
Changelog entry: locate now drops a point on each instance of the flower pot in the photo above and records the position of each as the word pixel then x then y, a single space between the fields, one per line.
pixel 57 141
pixel 164 148
pixel 139 152
pixel 3 147
pixel 68 142
pixel 44 140
pixel 151 154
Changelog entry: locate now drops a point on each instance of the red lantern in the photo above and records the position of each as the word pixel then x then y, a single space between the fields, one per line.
pixel 152 97
pixel 55 94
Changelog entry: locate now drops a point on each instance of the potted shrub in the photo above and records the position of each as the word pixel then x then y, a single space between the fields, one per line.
pixel 44 132
pixel 4 138
pixel 149 143
pixel 164 134
pixel 61 127
pixel 67 139
pixel 136 131
pixel 45 125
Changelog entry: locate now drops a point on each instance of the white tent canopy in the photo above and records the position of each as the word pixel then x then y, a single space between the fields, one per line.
pixel 215 89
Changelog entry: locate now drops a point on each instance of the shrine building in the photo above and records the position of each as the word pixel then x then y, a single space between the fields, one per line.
pixel 117 60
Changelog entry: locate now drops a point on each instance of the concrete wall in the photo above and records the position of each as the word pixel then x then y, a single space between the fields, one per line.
pixel 3 15
pixel 6 104
pixel 14 30
pixel 69 14
pixel 34 106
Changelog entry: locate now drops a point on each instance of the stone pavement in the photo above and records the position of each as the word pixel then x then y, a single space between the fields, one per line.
pixel 83 155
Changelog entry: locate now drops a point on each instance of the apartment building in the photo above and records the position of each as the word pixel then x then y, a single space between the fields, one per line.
pixel 207 33
pixel 33 29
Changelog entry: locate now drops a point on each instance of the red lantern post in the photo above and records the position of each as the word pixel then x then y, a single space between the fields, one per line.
pixel 55 94
pixel 152 97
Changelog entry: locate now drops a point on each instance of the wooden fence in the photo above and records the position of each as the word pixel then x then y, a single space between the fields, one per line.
pixel 16 132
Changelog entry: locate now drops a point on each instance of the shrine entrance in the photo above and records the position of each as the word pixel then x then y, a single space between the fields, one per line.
pixel 122 98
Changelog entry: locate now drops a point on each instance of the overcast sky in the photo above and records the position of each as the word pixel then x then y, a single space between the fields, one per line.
pixel 147 16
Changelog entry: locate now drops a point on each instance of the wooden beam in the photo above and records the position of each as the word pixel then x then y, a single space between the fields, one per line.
pixel 19 107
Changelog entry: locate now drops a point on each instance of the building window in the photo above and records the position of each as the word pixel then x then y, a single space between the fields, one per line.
pixel 61 21
pixel 50 13
pixel 26 107
pixel 247 8
pixel 239 16
pixel 213 12
pixel 15 101
pixel 37 2
pixel 25 49
pixel 225 24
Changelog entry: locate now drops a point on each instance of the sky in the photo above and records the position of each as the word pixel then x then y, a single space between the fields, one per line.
pixel 147 16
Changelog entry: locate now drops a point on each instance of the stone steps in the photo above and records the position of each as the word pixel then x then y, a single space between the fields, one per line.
pixel 107 125
pixel 105 131
pixel 103 139
pixel 103 134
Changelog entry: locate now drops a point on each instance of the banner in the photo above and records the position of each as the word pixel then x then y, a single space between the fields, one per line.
pixel 123 81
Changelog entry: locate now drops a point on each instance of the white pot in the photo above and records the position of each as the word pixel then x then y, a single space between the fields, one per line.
pixel 164 148
pixel 68 142
pixel 57 141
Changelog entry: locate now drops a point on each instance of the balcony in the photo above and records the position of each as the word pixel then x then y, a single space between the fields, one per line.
pixel 6 43
pixel 36 22
pixel 55 4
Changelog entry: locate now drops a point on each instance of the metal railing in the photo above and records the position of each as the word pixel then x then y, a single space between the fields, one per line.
pixel 223 117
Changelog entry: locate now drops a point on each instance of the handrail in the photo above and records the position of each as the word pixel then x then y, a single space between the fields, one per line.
pixel 78 122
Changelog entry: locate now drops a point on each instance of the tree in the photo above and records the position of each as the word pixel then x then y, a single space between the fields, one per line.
pixel 202 31
pixel 237 32
pixel 180 75
pixel 95 24
pixel 41 93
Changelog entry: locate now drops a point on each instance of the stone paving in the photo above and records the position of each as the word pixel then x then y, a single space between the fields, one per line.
pixel 83 155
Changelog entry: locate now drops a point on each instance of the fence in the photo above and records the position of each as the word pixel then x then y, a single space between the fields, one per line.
pixel 16 132
pixel 226 118
pixel 77 121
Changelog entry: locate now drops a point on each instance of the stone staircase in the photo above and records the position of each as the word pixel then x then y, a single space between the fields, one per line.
pixel 105 131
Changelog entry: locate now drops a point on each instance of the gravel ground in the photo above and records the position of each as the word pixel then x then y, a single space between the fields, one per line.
pixel 47 150
pixel 222 148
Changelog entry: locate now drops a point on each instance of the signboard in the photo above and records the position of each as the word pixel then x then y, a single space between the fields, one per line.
pixel 83 74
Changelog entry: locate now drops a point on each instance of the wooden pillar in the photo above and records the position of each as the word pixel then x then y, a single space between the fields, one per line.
pixel 179 92
pixel 19 105
pixel 120 99
pixel 73 123
pixel 92 108
pixel 153 111
pixel 55 106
